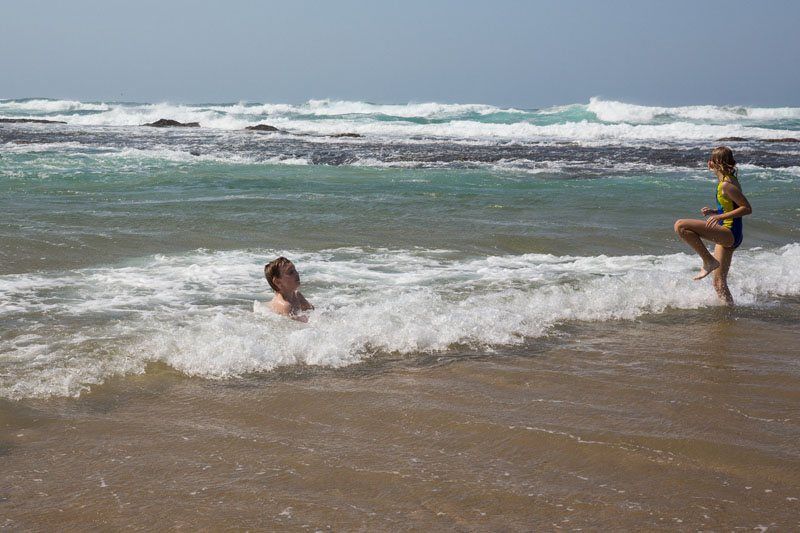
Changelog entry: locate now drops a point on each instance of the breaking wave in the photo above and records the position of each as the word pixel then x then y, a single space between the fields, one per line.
pixel 600 121
pixel 202 313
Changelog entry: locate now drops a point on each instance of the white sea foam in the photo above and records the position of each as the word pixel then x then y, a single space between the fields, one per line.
pixel 611 111
pixel 195 311
pixel 417 110
pixel 65 152
pixel 582 131
pixel 176 156
pixel 71 155
pixel 25 148
pixel 136 115
pixel 530 166
pixel 332 108
pixel 782 174
pixel 617 122
pixel 237 116
pixel 41 106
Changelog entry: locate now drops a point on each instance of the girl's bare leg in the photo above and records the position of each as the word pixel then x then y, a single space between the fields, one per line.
pixel 691 230
pixel 724 256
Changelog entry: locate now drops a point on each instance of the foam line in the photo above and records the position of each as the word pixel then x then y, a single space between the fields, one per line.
pixel 202 313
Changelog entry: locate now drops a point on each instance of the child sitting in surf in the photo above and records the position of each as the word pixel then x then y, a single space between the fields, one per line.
pixel 723 225
pixel 282 276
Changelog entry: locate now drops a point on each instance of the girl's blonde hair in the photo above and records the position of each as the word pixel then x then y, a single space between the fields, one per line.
pixel 722 160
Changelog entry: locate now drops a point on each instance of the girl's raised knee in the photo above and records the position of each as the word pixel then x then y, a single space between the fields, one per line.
pixel 679 225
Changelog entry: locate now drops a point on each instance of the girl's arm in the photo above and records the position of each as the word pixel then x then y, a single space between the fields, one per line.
pixel 735 194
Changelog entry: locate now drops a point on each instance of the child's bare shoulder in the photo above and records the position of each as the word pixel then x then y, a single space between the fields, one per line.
pixel 728 186
pixel 281 307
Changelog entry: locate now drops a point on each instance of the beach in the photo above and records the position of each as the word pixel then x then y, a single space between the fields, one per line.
pixel 506 333
pixel 598 431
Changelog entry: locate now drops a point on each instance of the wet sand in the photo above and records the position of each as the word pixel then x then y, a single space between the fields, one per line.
pixel 616 425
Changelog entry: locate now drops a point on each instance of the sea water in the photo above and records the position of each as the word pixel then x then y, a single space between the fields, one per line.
pixel 432 228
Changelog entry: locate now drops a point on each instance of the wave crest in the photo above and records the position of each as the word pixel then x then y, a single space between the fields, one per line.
pixel 43 106
pixel 599 121
pixel 621 112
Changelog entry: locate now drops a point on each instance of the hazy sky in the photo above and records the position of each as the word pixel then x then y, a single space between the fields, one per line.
pixel 520 53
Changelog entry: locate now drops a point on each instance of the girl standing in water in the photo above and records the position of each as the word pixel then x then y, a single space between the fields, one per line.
pixel 723 225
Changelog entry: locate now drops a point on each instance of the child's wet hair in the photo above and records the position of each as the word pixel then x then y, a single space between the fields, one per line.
pixel 272 270
pixel 722 159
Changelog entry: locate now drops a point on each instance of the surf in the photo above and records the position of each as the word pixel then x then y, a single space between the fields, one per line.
pixel 200 312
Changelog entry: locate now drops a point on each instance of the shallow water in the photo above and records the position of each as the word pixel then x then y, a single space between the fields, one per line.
pixel 627 425
pixel 506 335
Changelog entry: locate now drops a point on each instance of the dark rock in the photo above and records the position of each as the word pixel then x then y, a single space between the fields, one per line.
pixel 262 127
pixel 33 120
pixel 353 135
pixel 732 139
pixel 784 140
pixel 194 152
pixel 167 123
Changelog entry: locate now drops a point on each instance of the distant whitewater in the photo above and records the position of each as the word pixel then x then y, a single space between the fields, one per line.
pixel 599 121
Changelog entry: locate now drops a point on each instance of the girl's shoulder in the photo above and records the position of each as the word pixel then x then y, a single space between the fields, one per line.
pixel 728 182
pixel 280 306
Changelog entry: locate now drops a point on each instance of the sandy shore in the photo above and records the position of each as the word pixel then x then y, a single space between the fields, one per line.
pixel 632 425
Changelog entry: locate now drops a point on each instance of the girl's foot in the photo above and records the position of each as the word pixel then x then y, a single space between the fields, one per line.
pixel 707 269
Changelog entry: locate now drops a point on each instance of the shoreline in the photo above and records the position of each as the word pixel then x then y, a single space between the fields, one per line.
pixel 595 431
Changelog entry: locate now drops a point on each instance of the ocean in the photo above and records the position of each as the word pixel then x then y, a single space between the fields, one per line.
pixel 439 243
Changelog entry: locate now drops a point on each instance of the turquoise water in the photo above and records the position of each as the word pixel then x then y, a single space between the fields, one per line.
pixel 83 210
pixel 122 245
